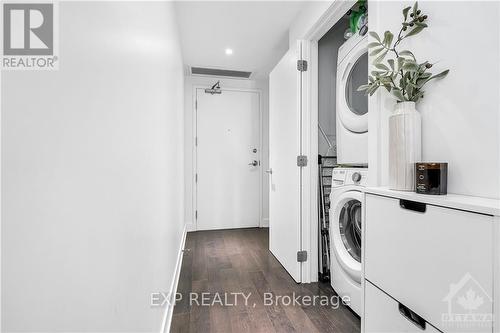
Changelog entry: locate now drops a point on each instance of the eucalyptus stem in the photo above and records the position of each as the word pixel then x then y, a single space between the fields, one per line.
pixel 413 75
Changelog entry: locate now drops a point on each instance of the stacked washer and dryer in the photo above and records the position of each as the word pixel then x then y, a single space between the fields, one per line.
pixel 348 180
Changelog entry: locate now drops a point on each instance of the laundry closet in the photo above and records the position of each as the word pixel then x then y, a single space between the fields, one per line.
pixel 342 151
pixel 318 151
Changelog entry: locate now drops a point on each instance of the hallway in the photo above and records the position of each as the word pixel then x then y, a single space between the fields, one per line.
pixel 232 261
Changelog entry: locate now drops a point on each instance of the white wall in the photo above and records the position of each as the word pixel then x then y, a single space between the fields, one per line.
pixel 193 81
pixel 460 114
pixel 92 169
pixel 310 14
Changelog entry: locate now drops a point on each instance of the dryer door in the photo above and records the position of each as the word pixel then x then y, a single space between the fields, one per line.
pixel 345 230
pixel 352 105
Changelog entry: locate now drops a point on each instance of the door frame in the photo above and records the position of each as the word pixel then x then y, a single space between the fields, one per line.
pixel 194 131
pixel 310 213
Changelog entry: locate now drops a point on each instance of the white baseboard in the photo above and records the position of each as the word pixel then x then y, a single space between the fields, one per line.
pixel 169 310
pixel 265 222
pixel 190 227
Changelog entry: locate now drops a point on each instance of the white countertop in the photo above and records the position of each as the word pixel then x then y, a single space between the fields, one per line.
pixel 456 201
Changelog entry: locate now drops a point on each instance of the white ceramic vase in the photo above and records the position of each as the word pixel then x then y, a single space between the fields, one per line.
pixel 405 146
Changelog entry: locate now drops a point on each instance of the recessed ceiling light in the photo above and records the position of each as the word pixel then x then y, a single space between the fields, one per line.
pixel 229 51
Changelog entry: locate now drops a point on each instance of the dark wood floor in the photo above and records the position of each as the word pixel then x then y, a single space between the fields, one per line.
pixel 238 260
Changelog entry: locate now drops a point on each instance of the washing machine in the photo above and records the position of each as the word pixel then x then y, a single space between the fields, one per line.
pixel 352 105
pixel 346 201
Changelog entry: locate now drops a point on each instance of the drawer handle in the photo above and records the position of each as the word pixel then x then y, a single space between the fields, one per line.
pixel 413 205
pixel 414 318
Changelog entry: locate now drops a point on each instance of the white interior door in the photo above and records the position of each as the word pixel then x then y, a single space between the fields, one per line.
pixel 228 160
pixel 284 147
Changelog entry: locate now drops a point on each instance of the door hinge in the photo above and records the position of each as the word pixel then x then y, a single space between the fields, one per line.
pixel 196 141
pixel 196 214
pixel 196 105
pixel 196 178
pixel 301 160
pixel 301 256
pixel 302 65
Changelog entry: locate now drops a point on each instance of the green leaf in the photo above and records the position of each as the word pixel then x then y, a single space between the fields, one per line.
pixel 401 61
pixel 406 77
pixel 415 31
pixel 417 96
pixel 415 8
pixel 385 80
pixel 440 75
pixel 380 57
pixel 421 82
pixel 424 76
pixel 376 51
pixel 374 35
pixel 406 53
pixel 409 91
pixel 397 93
pixel 377 73
pixel 373 44
pixel 373 90
pixel 363 87
pixel 391 63
pixel 405 12
pixel 420 24
pixel 437 76
pixel 382 66
pixel 388 36
pixel 410 66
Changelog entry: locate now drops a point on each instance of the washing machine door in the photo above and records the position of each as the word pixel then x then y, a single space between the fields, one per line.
pixel 352 72
pixel 345 231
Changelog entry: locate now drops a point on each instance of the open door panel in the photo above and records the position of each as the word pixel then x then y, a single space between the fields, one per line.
pixel 285 175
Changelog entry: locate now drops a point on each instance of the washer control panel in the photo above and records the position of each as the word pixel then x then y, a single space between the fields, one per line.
pixel 349 176
pixel 338 177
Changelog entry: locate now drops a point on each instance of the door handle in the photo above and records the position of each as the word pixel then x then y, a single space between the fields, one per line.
pixel 412 205
pixel 269 171
pixel 254 163
pixel 414 318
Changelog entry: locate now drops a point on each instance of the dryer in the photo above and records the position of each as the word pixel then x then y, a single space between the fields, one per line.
pixel 346 202
pixel 351 104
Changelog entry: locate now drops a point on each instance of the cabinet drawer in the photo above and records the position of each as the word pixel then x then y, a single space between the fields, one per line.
pixel 384 314
pixel 435 260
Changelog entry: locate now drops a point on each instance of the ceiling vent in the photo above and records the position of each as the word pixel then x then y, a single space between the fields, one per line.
pixel 219 72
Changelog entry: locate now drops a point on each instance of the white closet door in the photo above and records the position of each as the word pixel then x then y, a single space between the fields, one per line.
pixel 284 146
pixel 228 160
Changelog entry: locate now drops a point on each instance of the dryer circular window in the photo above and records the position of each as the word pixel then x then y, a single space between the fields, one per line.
pixel 345 230
pixel 352 72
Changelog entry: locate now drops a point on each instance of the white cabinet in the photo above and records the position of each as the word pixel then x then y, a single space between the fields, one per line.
pixel 384 314
pixel 436 261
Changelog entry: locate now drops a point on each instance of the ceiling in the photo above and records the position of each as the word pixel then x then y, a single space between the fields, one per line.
pixel 256 31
